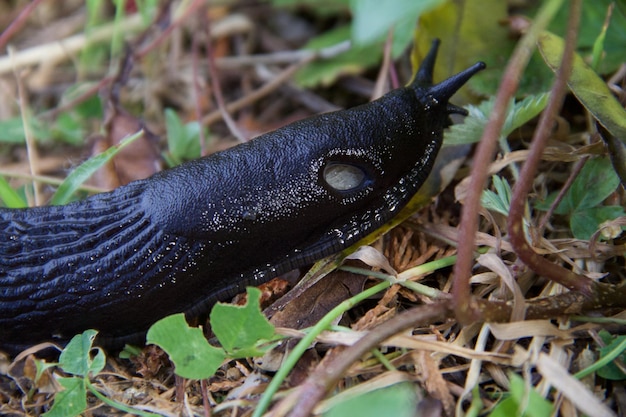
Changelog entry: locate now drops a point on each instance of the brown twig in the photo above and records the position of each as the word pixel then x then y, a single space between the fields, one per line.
pixel 526 254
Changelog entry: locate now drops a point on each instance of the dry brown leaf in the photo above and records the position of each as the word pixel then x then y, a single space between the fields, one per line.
pixel 319 299
pixel 495 263
pixel 527 328
pixel 433 380
pixel 138 160
pixel 372 257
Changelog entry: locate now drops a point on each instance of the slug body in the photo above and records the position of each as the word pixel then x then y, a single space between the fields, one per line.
pixel 187 237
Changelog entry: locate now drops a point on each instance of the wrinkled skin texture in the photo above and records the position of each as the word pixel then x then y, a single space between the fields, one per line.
pixel 189 236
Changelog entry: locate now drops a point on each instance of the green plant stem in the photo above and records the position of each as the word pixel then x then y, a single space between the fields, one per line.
pixel 368 273
pixel 602 362
pixel 115 404
pixel 600 320
pixel 427 267
pixel 117 38
pixel 403 277
pixel 476 405
pixel 413 286
pixel 383 360
pixel 306 341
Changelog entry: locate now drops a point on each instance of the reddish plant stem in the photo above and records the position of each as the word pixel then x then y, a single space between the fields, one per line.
pixel 86 95
pixel 483 157
pixel 517 238
pixel 464 307
pixel 120 78
pixel 327 374
pixel 18 23
pixel 570 180
pixel 192 8
pixel 215 84
pixel 197 92
pixel 205 399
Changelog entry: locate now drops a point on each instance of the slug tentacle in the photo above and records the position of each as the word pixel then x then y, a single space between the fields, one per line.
pixel 187 237
pixel 446 89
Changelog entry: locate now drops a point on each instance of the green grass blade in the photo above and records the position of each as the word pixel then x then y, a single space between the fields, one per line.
pixel 86 170
pixel 9 196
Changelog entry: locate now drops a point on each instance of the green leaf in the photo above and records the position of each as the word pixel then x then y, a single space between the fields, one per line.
pixel 193 356
pixel 71 401
pixel 534 405
pixel 591 27
pixel 471 130
pixel 9 196
pixel 611 371
pixel 582 201
pixel 399 400
pixel 240 328
pixel 584 223
pixel 371 22
pixel 130 351
pixel 588 87
pixel 593 93
pixel 500 201
pixel 12 130
pixel 68 129
pixel 76 357
pixel 90 108
pixel 595 182
pixel 523 111
pixel 85 170
pixel 41 366
pixel 506 408
pixel 467 36
pixel 183 140
pixel 326 71
pixel 322 8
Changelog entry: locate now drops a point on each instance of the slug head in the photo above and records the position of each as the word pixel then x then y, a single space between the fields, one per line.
pixel 387 146
pixel 317 185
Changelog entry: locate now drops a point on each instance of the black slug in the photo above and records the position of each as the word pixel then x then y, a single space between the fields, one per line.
pixel 189 236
